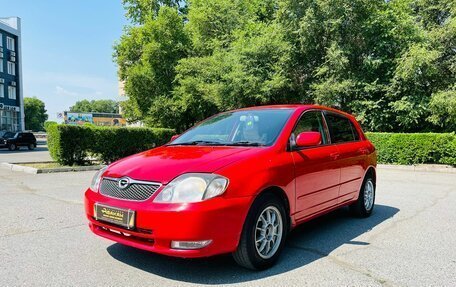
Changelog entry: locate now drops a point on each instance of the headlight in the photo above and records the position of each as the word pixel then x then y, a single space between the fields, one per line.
pixel 193 187
pixel 95 184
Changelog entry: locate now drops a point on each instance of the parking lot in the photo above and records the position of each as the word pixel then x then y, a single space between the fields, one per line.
pixel 40 153
pixel 409 241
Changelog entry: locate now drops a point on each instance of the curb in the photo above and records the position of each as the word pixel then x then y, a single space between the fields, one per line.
pixel 32 170
pixel 420 167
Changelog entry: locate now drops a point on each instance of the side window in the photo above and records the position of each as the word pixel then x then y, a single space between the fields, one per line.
pixel 311 122
pixel 341 129
pixel 355 131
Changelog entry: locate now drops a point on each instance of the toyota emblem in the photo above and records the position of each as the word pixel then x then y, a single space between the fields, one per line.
pixel 124 182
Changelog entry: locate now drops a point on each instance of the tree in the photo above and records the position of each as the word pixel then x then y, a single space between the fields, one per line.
pixel 35 114
pixel 443 109
pixel 149 72
pixel 97 106
pixel 138 11
pixel 391 63
pixel 345 53
pixel 250 71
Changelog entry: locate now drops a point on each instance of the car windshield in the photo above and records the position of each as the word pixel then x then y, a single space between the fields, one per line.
pixel 9 135
pixel 243 128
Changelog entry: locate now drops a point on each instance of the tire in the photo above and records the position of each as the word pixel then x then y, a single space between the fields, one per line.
pixel 255 256
pixel 366 199
pixel 12 147
pixel 31 146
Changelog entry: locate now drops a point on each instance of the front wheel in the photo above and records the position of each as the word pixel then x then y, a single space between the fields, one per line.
pixel 365 204
pixel 12 147
pixel 264 233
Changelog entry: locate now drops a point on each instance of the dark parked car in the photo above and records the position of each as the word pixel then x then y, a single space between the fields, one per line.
pixel 13 141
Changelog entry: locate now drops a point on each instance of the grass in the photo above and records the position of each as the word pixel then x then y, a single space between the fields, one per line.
pixel 43 165
pixel 49 165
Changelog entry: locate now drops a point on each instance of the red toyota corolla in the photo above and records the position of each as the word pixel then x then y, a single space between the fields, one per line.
pixel 236 183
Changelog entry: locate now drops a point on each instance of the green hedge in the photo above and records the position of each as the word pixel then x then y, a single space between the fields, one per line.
pixel 417 148
pixel 71 145
pixel 68 145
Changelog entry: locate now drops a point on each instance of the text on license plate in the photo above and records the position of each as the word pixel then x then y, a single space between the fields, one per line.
pixel 118 216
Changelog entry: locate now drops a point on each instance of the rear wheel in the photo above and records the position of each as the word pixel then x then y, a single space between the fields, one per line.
pixel 366 200
pixel 31 146
pixel 264 233
pixel 12 147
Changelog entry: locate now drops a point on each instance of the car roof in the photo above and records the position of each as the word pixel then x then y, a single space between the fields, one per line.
pixel 302 107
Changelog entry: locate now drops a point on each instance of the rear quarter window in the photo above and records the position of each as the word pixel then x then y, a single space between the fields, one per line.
pixel 341 129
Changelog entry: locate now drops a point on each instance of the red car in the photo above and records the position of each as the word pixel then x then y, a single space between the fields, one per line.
pixel 236 183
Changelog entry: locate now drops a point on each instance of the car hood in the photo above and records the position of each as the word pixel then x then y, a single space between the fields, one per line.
pixel 165 163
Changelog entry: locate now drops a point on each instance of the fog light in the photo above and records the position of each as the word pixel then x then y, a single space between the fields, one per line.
pixel 190 244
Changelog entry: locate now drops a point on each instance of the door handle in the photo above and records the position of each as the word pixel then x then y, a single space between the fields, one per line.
pixel 334 155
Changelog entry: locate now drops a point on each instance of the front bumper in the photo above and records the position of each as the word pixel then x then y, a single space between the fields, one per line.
pixel 218 219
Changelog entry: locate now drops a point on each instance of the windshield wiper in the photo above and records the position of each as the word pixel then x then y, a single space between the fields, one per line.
pixel 198 143
pixel 245 143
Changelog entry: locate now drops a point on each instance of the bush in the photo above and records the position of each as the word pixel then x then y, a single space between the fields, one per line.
pixel 49 123
pixel 71 145
pixel 415 148
pixel 111 144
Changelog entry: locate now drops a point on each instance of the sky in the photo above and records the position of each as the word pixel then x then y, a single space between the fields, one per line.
pixel 67 49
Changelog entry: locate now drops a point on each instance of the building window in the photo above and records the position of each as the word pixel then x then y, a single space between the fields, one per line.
pixel 9 121
pixel 1 65
pixel 2 91
pixel 1 40
pixel 11 68
pixel 10 43
pixel 11 92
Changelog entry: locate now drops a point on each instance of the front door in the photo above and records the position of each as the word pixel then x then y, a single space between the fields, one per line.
pixel 316 169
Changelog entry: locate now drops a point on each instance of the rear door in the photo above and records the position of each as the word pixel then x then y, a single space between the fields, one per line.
pixel 352 156
pixel 317 173
pixel 30 139
pixel 20 139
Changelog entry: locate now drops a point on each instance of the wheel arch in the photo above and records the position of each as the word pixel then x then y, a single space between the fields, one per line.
pixel 282 195
pixel 371 171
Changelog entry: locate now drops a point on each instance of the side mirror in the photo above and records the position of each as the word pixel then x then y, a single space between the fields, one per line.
pixel 307 139
pixel 174 137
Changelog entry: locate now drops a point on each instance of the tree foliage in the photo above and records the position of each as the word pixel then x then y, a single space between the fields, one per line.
pixel 98 106
pixel 138 11
pixel 147 56
pixel 35 114
pixel 391 63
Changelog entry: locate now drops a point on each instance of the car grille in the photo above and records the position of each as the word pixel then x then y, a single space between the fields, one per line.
pixel 136 190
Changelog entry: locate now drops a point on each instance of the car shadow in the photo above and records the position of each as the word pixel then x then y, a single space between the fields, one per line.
pixel 305 244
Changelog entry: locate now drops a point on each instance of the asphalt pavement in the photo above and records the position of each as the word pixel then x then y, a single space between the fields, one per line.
pixel 40 153
pixel 408 241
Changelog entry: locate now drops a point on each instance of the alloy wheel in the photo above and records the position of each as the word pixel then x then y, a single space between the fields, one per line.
pixel 268 232
pixel 369 193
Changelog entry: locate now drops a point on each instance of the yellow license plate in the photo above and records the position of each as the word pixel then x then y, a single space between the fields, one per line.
pixel 114 215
